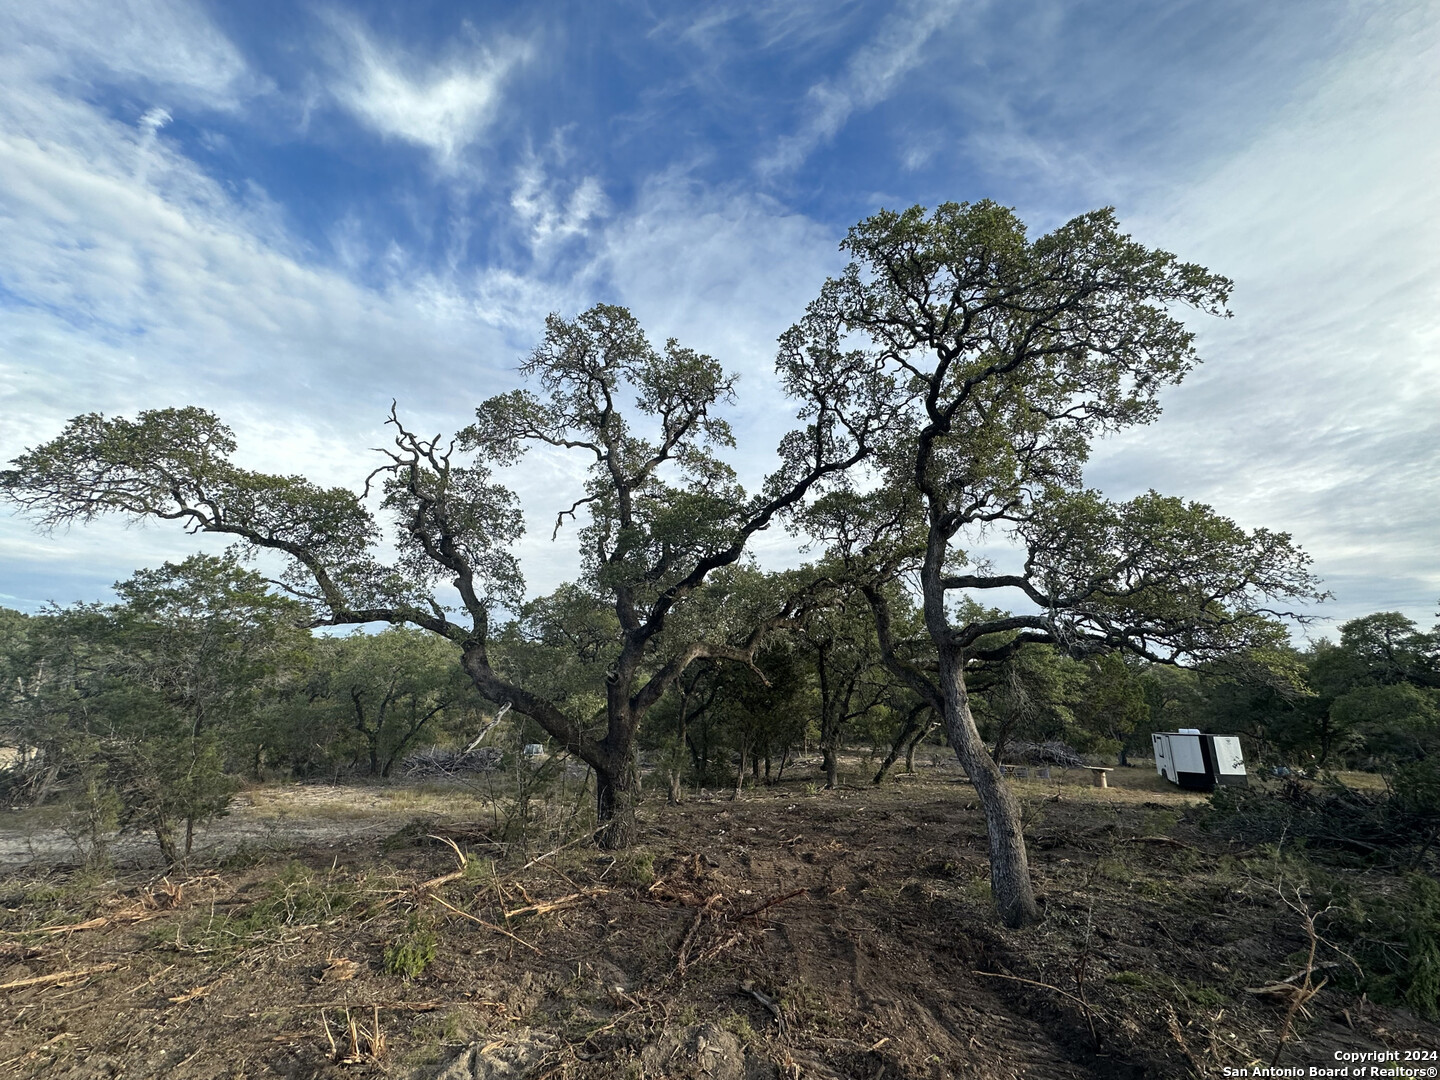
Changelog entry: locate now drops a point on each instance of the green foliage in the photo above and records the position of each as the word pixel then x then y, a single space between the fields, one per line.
pixel 1394 934
pixel 94 815
pixel 294 897
pixel 410 952
pixel 634 868
pixel 142 701
pixel 373 698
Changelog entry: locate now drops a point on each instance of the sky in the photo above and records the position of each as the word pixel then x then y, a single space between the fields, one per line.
pixel 293 213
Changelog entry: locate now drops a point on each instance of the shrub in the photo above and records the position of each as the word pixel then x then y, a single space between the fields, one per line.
pixel 1394 935
pixel 411 952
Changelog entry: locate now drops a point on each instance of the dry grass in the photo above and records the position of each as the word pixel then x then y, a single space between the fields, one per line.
pixel 844 933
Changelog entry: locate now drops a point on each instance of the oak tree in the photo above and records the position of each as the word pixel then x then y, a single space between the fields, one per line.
pixel 1009 357
pixel 663 511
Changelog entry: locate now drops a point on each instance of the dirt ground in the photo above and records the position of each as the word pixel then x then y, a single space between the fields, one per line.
pixel 336 932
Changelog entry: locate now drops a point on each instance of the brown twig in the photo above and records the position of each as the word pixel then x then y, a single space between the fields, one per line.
pixel 1030 982
pixel 388 1006
pixel 1173 1023
pixel 1299 994
pixel 59 976
pixel 689 938
pixel 482 922
pixel 1080 966
pixel 542 907
pixel 1161 840
pixel 771 903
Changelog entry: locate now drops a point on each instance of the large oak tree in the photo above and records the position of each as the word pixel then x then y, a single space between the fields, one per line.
pixel 1009 357
pixel 663 511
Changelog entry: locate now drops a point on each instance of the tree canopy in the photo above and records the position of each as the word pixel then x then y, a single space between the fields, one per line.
pixel 949 384
pixel 1004 359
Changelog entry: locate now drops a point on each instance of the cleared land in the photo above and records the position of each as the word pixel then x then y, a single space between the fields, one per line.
pixel 335 931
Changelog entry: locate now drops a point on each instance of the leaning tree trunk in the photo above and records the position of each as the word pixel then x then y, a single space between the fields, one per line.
pixel 915 742
pixel 1009 865
pixel 910 727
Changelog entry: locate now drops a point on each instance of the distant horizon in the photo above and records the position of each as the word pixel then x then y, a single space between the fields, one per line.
pixel 292 214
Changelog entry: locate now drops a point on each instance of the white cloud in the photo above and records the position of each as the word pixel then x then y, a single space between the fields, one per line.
pixel 550 217
pixel 1316 411
pixel 871 75
pixel 132 280
pixel 444 107
pixel 168 44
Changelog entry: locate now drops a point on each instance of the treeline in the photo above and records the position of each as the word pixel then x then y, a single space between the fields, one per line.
pixel 148 713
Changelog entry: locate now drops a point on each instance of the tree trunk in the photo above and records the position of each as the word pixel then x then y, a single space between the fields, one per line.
pixel 915 742
pixel 165 837
pixel 1009 865
pixel 46 785
pixel 910 727
pixel 615 805
pixel 832 767
pixel 740 772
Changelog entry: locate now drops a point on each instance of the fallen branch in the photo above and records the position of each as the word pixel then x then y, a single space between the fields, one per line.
pixel 89 924
pixel 683 954
pixel 1299 993
pixel 59 976
pixel 482 922
pixel 386 1006
pixel 543 907
pixel 771 903
pixel 749 987
pixel 1161 840
pixel 556 851
pixel 454 875
pixel 1173 1023
pixel 1032 982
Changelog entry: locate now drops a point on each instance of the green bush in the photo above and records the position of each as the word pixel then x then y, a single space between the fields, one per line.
pixel 1394 935
pixel 1328 818
pixel 410 953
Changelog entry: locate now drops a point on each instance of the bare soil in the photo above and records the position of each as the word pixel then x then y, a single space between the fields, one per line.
pixel 790 933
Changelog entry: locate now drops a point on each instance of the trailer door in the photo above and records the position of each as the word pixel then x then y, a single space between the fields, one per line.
pixel 1164 759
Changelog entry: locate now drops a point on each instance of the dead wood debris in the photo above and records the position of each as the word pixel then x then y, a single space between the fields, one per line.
pixel 58 977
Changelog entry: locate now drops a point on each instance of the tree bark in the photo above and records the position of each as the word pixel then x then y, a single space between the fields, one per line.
pixel 915 742
pixel 1009 864
pixel 46 785
pixel 910 727
pixel 615 806
pixel 165 837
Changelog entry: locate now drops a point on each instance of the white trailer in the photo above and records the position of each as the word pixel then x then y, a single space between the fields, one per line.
pixel 1197 761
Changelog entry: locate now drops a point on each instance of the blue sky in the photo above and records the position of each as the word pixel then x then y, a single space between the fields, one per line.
pixel 291 213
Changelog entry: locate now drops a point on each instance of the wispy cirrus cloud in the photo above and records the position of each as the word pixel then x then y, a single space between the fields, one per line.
pixel 1316 410
pixel 871 74
pixel 167 45
pixel 444 106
